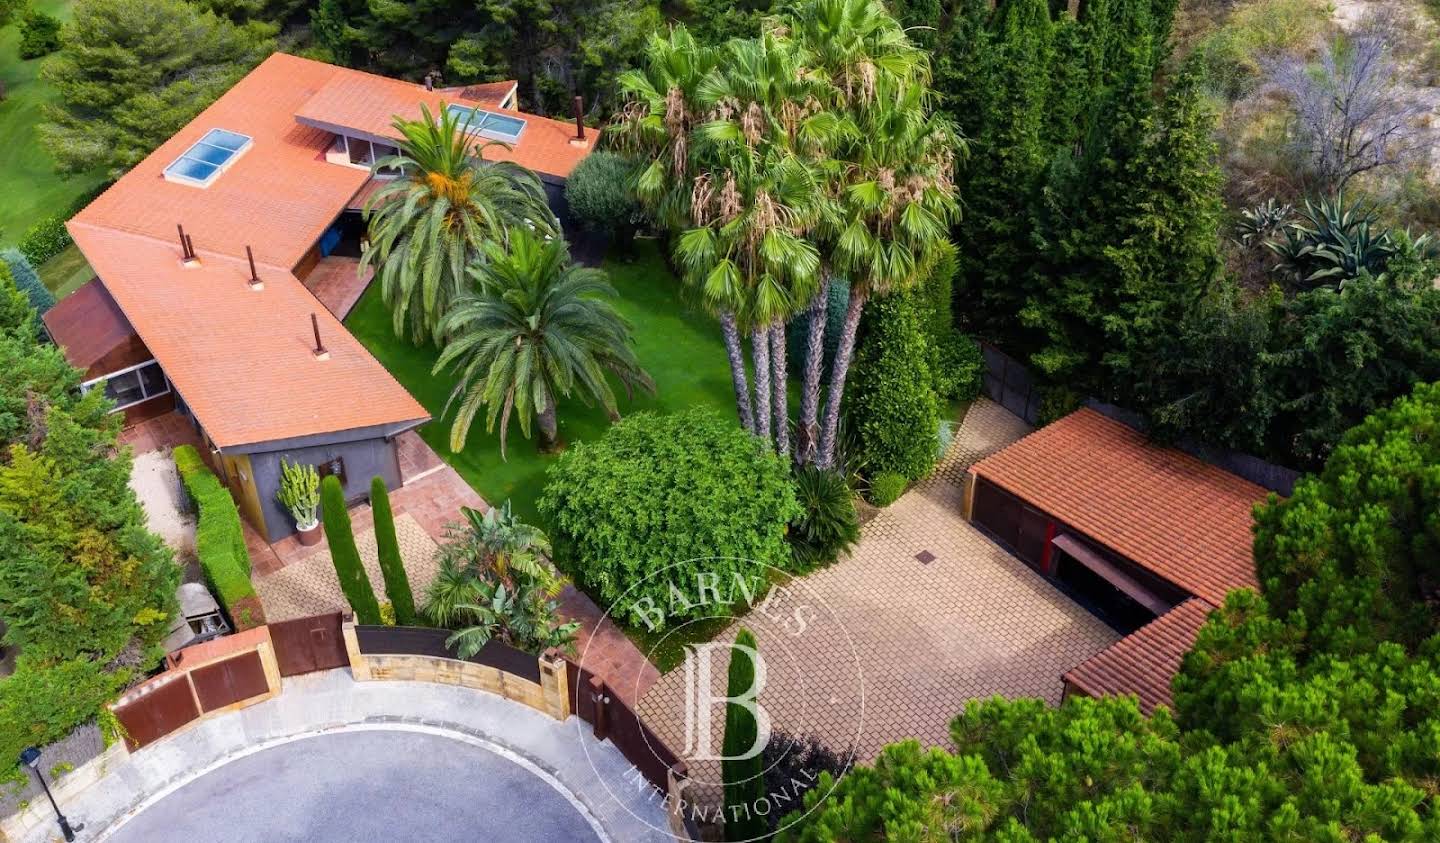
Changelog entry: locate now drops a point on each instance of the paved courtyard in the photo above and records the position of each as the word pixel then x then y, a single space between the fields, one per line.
pixel 310 586
pixel 923 637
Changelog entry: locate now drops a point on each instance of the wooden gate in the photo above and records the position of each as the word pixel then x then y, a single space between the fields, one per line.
pixel 305 645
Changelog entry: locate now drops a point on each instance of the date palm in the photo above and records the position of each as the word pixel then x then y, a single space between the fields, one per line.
pixel 535 328
pixel 431 223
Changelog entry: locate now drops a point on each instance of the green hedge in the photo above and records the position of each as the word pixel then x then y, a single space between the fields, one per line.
pixel 890 398
pixel 349 570
pixel 219 538
pixel 41 704
pixel 887 487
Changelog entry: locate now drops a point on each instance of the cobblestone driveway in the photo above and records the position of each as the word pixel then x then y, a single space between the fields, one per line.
pixel 974 622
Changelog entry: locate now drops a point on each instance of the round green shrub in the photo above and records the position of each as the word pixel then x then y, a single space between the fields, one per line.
pixel 959 367
pixel 39 34
pixel 828 524
pixel 891 400
pixel 44 240
pixel 598 192
pixel 660 500
pixel 887 487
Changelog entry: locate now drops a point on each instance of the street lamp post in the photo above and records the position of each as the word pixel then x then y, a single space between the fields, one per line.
pixel 31 758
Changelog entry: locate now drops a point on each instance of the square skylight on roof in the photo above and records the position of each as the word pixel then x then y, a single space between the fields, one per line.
pixel 207 158
pixel 488 124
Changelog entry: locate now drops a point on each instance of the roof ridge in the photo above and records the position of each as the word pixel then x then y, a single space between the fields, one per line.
pixel 150 238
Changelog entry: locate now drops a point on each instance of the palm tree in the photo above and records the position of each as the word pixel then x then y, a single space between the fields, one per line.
pixel 853 44
pixel 428 225
pixel 770 134
pixel 899 202
pixel 535 328
pixel 661 113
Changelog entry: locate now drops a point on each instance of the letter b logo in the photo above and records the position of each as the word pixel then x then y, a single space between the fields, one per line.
pixel 701 701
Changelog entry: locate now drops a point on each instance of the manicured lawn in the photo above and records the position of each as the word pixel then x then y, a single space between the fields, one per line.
pixel 676 342
pixel 66 271
pixel 32 188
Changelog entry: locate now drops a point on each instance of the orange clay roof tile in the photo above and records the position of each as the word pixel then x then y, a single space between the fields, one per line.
pixel 242 359
pixel 1144 662
pixel 1167 511
pixel 368 105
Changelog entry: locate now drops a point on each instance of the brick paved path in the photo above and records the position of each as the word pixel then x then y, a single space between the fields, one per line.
pixel 924 638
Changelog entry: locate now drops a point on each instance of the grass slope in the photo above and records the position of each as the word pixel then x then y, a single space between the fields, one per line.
pixel 676 342
pixel 32 187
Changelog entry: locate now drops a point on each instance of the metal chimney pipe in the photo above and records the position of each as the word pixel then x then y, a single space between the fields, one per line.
pixel 320 351
pixel 189 248
pixel 429 82
pixel 184 243
pixel 579 118
pixel 254 276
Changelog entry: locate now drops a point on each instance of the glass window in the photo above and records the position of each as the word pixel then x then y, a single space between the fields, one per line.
pixel 125 389
pixel 382 150
pixel 153 379
pixel 360 152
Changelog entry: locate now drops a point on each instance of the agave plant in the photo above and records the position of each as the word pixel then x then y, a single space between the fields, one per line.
pixel 1333 243
pixel 1260 223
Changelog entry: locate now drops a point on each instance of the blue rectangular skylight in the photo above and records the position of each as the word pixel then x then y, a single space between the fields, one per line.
pixel 488 124
pixel 207 158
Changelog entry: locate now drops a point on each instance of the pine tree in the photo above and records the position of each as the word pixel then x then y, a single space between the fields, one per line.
pixel 744 777
pixel 354 582
pixel 28 281
pixel 15 310
pixel 392 567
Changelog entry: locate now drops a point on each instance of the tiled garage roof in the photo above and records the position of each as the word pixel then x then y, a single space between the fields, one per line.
pixel 1175 515
pixel 1144 662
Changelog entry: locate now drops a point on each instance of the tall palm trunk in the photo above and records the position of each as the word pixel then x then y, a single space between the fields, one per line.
pixel 838 371
pixel 737 369
pixel 549 428
pixel 779 383
pixel 760 357
pixel 807 433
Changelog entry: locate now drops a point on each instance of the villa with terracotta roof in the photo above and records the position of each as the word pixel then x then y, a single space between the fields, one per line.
pixel 1149 538
pixel 226 260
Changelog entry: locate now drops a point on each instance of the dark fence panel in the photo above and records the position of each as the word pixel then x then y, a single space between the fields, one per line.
pixel 230 681
pixel 309 644
pixel 157 713
pixel 423 641
pixel 1008 383
pixel 593 702
pixel 582 695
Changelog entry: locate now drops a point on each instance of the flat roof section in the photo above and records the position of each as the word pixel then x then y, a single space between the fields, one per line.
pixel 1177 516
pixel 87 325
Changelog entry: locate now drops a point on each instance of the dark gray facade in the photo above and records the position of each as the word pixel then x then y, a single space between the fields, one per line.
pixel 361 454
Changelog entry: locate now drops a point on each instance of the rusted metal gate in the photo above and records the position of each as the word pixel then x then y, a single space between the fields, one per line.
pixel 229 681
pixel 156 711
pixel 592 701
pixel 305 645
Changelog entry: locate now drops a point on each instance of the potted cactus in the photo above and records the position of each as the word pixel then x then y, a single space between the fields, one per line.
pixel 300 493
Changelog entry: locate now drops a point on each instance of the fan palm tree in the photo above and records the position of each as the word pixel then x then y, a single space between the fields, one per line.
pixel 428 225
pixel 898 202
pixel 752 206
pixel 855 45
pixel 536 328
pixel 657 124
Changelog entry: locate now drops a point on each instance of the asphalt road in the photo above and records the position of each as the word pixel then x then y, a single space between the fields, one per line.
pixel 367 786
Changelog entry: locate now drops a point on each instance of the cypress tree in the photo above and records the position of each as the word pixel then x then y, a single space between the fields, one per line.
pixel 1008 156
pixel 392 567
pixel 744 777
pixel 354 582
pixel 15 310
pixel 892 406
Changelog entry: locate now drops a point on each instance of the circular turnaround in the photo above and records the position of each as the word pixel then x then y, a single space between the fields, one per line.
pixel 365 784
